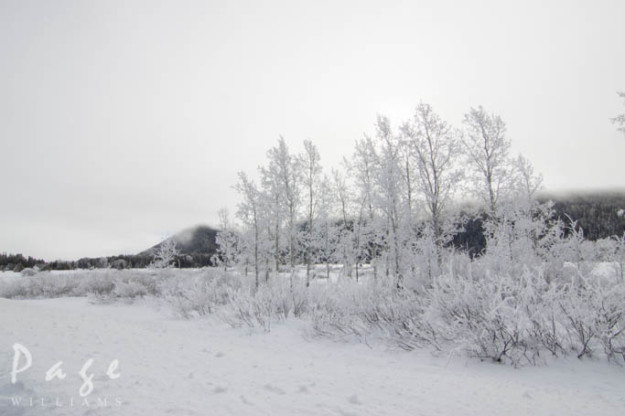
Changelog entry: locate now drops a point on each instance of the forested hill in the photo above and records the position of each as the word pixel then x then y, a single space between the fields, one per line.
pixel 196 240
pixel 599 214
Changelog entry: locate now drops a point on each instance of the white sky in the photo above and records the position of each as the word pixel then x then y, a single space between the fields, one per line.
pixel 122 122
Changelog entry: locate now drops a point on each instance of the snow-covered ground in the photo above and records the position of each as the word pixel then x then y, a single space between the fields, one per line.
pixel 203 367
pixel 8 276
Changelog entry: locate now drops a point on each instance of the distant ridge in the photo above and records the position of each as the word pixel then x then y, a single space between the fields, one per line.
pixel 192 241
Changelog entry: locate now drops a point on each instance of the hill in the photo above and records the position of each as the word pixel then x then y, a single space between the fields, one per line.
pixel 192 241
pixel 196 247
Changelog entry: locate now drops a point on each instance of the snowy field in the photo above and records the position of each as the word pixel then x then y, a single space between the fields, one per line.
pixel 170 366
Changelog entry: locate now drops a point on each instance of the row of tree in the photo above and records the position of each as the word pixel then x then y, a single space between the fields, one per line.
pixel 17 262
pixel 392 204
pixel 600 215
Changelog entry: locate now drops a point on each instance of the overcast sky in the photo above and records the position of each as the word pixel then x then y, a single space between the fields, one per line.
pixel 123 122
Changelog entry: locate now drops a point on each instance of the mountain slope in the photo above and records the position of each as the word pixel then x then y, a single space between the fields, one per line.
pixel 192 241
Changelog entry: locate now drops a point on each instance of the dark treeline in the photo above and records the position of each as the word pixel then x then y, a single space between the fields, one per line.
pixel 599 214
pixel 17 262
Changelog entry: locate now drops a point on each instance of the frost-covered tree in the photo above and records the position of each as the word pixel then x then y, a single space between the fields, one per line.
pixel 311 169
pixel 390 196
pixel 523 228
pixel 253 214
pixel 325 241
pixel 363 168
pixel 526 180
pixel 620 119
pixel 227 241
pixel 487 151
pixel 436 151
pixel 282 183
pixel 165 254
pixel 345 233
pixel 274 210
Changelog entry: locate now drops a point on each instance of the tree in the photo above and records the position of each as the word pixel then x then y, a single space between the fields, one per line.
pixel 527 181
pixel 620 119
pixel 311 169
pixel 487 149
pixel 436 149
pixel 345 235
pixel 165 254
pixel 282 181
pixel 325 239
pixel 274 210
pixel 250 213
pixel 389 181
pixel 362 167
pixel 227 240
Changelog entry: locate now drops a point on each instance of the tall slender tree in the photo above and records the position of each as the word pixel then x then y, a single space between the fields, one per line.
pixel 487 149
pixel 311 169
pixel 325 238
pixel 282 179
pixel 362 167
pixel 389 194
pixel 250 212
pixel 436 150
pixel 620 119
pixel 342 193
pixel 227 240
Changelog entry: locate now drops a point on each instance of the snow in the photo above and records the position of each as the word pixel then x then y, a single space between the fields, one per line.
pixel 606 270
pixel 204 367
pixel 8 276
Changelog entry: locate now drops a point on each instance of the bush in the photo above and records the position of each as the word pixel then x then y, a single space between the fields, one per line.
pixel 504 306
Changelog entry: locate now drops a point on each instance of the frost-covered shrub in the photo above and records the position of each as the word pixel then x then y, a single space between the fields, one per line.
pixel 547 332
pixel 105 285
pixel 513 316
pixel 373 308
pixel 594 316
pixel 273 301
pixel 199 293
pixel 339 310
pixel 98 284
pixel 611 320
pixel 486 316
pixel 28 271
pixel 129 289
pixel 619 254
pixel 40 285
